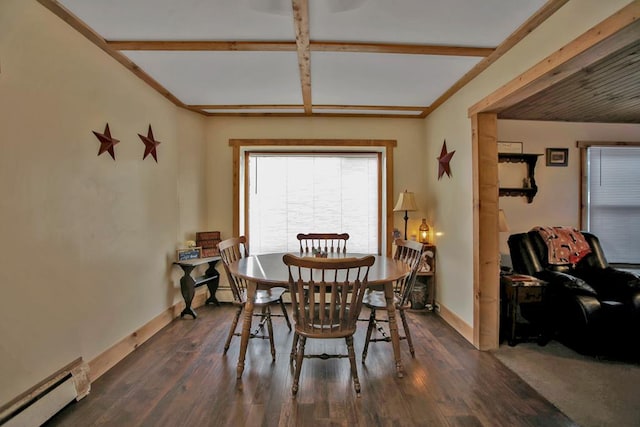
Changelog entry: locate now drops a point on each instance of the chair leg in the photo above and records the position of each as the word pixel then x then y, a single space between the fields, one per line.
pixel 284 312
pixel 234 324
pixel 294 346
pixel 407 334
pixel 299 358
pixel 372 322
pixel 352 360
pixel 266 311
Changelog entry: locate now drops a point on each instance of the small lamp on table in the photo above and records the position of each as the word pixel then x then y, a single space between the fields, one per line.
pixel 407 203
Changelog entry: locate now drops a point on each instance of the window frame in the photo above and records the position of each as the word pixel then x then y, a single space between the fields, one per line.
pixel 584 179
pixel 385 175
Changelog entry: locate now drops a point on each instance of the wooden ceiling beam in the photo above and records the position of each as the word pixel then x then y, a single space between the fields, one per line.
pixel 301 26
pixel 284 46
pixel 407 49
pixel 297 106
pixel 203 45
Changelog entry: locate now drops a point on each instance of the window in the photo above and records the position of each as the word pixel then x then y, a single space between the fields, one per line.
pixel 312 192
pixel 612 200
pixel 349 151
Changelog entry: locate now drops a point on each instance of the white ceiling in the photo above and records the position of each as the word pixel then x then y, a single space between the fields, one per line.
pixel 269 81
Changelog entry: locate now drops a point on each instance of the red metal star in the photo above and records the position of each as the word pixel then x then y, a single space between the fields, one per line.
pixel 106 142
pixel 443 161
pixel 150 145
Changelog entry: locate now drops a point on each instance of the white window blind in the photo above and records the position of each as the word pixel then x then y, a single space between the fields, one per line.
pixel 613 201
pixel 312 193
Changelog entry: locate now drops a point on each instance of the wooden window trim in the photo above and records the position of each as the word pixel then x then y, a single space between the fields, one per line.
pixel 340 144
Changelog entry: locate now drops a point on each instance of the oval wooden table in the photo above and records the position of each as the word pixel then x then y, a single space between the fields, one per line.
pixel 269 270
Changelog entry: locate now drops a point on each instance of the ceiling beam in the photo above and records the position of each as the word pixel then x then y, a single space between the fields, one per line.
pixel 409 49
pixel 298 106
pixel 283 46
pixel 301 26
pixel 203 45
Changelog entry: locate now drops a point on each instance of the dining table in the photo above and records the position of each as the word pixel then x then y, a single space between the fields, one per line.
pixel 268 270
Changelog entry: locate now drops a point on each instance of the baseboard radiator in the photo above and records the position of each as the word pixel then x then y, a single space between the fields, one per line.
pixel 42 401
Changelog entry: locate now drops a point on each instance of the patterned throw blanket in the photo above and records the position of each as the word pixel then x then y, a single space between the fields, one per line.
pixel 565 245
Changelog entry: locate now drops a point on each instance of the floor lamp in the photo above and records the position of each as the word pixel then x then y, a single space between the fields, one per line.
pixel 406 203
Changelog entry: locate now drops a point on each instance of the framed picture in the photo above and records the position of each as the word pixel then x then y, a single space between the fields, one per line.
pixel 557 156
pixel 509 147
pixel 189 253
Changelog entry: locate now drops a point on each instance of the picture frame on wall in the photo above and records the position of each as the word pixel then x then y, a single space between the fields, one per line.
pixel 557 156
pixel 512 147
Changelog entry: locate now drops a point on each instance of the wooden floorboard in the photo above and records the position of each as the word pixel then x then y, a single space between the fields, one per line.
pixel 181 378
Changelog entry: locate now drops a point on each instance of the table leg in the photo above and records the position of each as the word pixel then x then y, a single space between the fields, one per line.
pixel 393 327
pixel 212 285
pixel 246 327
pixel 188 289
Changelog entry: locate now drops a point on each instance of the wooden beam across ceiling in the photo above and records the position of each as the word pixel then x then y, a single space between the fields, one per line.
pixel 301 25
pixel 284 46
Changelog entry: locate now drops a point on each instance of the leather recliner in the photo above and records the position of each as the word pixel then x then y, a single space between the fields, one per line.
pixel 593 307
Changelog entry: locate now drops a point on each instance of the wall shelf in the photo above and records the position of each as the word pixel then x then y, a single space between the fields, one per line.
pixel 529 191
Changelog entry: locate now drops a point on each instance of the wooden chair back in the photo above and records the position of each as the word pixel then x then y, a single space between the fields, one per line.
pixel 326 294
pixel 231 250
pixel 311 243
pixel 410 253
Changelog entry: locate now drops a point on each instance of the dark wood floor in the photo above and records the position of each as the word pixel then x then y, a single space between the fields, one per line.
pixel 181 378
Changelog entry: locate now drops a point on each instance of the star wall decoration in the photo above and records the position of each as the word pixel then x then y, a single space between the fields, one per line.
pixel 107 142
pixel 150 145
pixel 443 161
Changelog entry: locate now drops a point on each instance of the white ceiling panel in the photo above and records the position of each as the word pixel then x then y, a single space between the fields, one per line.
pixel 224 77
pixel 481 23
pixel 384 79
pixel 186 19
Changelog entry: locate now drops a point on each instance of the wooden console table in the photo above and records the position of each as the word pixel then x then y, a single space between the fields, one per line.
pixel 188 284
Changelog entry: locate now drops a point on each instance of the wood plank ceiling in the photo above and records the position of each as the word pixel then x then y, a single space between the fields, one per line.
pixel 371 58
pixel 607 91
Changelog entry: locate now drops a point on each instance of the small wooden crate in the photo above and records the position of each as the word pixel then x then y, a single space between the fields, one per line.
pixel 208 241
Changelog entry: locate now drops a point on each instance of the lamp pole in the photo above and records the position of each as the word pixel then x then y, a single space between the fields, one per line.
pixel 406 218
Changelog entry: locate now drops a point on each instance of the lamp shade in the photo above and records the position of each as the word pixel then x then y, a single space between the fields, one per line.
pixel 502 221
pixel 406 202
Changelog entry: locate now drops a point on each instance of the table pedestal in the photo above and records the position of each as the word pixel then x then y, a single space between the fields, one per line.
pixel 188 283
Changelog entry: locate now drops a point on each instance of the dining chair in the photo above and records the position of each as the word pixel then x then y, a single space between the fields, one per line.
pixel 326 299
pixel 408 252
pixel 323 242
pixel 232 250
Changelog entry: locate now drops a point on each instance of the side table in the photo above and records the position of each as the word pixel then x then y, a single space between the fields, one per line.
pixel 423 295
pixel 519 290
pixel 188 284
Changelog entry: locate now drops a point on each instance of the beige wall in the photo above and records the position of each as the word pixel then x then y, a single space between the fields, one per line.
pixel 409 171
pixel 86 242
pixel 452 198
pixel 558 198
